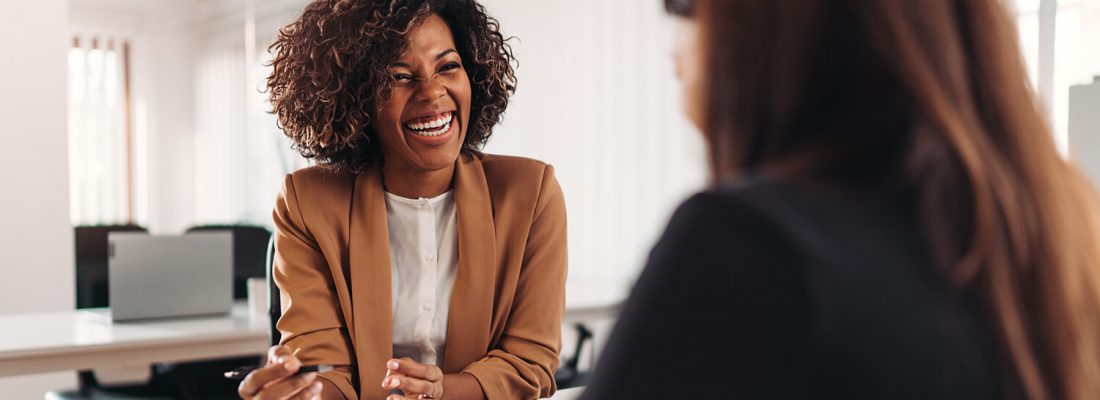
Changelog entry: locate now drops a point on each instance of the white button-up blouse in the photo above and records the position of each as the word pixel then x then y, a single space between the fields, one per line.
pixel 424 260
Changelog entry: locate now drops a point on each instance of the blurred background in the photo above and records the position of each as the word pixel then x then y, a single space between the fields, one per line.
pixel 154 115
pixel 194 145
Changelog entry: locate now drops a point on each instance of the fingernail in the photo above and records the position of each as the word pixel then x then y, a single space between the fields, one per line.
pixel 392 364
pixel 280 360
pixel 317 387
pixel 386 382
pixel 395 382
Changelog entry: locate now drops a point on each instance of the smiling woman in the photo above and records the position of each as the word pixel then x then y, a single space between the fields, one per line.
pixel 415 264
pixel 335 67
pixel 417 121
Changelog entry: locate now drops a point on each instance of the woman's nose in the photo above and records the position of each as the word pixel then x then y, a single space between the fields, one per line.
pixel 430 90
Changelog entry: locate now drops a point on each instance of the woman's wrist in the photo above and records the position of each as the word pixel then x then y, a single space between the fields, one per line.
pixel 462 386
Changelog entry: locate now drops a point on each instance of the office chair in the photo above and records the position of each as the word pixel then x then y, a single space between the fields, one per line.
pixel 274 301
pixel 91 263
pixel 249 250
pixel 92 291
pixel 203 379
pixel 188 380
pixel 569 374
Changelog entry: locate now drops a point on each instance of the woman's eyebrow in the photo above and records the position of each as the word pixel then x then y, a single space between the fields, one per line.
pixel 442 54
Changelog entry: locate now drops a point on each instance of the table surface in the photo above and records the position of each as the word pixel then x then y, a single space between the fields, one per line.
pixel 567 394
pixel 79 340
pixel 75 340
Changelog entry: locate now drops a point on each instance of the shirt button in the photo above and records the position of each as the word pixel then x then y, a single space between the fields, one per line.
pixel 427 306
pixel 429 257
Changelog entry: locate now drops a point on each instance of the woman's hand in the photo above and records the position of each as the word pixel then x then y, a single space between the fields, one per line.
pixel 276 380
pixel 417 381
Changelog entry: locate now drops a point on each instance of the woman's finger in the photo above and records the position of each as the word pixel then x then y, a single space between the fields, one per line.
pixel 408 384
pixel 287 388
pixel 277 351
pixel 414 369
pixel 278 369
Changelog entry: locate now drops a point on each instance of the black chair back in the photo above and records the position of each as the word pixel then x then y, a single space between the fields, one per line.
pixel 569 373
pixel 91 263
pixel 274 300
pixel 249 252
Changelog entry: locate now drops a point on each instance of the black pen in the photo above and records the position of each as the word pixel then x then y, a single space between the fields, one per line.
pixel 241 372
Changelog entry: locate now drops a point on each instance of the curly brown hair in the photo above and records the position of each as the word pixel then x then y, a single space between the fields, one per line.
pixel 330 73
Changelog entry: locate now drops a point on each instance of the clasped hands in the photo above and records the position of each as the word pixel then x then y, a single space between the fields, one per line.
pixel 417 381
pixel 278 380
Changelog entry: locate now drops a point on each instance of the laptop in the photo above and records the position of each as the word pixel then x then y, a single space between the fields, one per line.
pixel 168 276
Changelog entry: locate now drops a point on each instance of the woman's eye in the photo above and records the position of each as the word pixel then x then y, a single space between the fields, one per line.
pixel 402 77
pixel 451 66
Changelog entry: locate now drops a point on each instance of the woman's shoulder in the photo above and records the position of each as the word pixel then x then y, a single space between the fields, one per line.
pixel 762 197
pixel 750 204
pixel 756 209
pixel 511 166
pixel 520 184
pixel 319 176
pixel 515 173
pixel 319 184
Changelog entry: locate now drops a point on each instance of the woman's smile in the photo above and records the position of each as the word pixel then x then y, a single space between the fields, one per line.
pixel 432 130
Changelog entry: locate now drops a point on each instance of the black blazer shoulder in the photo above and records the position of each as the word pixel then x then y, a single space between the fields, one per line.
pixel 764 289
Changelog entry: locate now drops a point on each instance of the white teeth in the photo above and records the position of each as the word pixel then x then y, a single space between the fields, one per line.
pixel 436 132
pixel 438 122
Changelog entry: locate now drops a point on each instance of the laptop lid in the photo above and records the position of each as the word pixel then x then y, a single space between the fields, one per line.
pixel 169 276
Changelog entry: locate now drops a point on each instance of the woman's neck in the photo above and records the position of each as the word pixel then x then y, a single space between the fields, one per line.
pixel 412 184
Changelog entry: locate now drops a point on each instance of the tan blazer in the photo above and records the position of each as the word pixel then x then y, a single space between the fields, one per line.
pixel 332 266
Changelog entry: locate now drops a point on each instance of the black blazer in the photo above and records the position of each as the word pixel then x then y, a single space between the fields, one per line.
pixel 767 290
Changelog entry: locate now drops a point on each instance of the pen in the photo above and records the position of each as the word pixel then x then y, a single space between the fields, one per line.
pixel 240 372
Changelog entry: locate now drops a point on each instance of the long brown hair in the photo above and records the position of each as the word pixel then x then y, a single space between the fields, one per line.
pixel 932 96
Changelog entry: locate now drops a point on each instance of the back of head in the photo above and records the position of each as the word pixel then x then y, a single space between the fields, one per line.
pixel 930 97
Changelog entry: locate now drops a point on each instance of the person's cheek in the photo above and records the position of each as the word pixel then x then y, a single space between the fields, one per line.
pixel 463 94
pixel 687 60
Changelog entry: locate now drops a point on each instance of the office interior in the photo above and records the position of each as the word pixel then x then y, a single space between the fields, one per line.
pixel 152 114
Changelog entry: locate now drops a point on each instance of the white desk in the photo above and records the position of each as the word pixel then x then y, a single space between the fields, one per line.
pixel 75 340
pixel 567 394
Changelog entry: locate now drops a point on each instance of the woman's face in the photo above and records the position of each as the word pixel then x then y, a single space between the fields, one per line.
pixel 688 58
pixel 423 125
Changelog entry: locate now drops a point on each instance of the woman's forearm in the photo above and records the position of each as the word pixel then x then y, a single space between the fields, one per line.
pixel 462 386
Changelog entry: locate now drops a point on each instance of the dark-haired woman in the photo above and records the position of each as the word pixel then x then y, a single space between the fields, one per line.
pixel 416 265
pixel 890 218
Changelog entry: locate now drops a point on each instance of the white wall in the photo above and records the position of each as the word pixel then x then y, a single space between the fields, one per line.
pixel 35 237
pixel 36 240
pixel 162 46
pixel 597 98
pixel 163 69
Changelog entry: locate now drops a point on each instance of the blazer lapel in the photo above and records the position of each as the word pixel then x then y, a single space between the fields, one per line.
pixel 468 322
pixel 369 259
